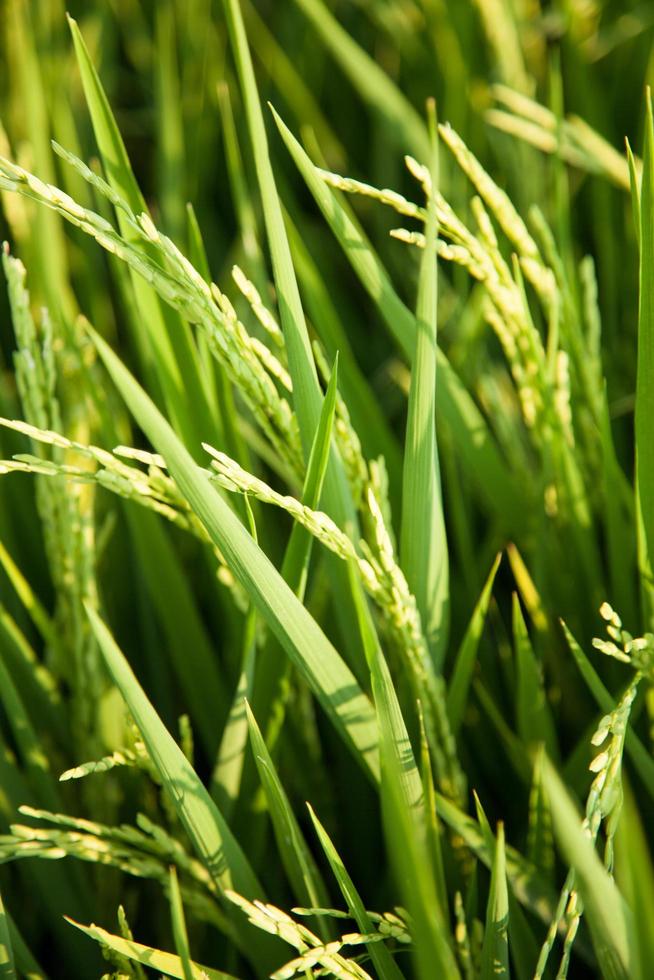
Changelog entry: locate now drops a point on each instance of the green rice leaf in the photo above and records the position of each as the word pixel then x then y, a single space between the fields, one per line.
pixel 25 963
pixel 36 683
pixel 398 115
pixel 242 200
pixel 523 945
pixel 540 842
pixel 528 885
pixel 306 391
pixel 635 873
pixel 410 858
pixel 7 966
pixel 37 612
pixel 175 357
pixel 370 423
pixel 424 554
pixel 297 859
pixel 454 406
pixel 200 816
pixel 495 951
pixel 644 412
pixel 403 811
pixel 49 250
pixel 226 777
pixel 298 550
pixel 433 824
pixel 382 960
pixel 305 643
pixel 514 748
pixel 166 963
pixel 30 747
pixel 605 909
pixel 535 723
pixel 619 519
pixel 391 722
pixel 110 142
pixel 192 654
pixel 634 183
pixel 179 927
pixel 272 668
pixel 307 397
pixel 464 664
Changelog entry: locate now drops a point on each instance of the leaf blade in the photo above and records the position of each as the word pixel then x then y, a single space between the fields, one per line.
pixel 166 963
pixel 605 909
pixel 423 542
pixel 303 640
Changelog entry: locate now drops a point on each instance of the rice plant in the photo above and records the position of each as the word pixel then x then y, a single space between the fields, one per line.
pixel 326 490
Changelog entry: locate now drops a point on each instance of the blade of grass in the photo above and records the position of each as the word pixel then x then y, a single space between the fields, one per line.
pixel 523 946
pixel 226 777
pixel 534 719
pixel 403 810
pixel 205 825
pixel 36 683
pixel 30 747
pixel 298 551
pixel 179 927
pixel 199 815
pixel 219 389
pixel 242 201
pixel 301 637
pixel 528 885
pixel 26 964
pixel 192 654
pixel 464 664
pixel 515 751
pixel 495 951
pixel 175 357
pixel 7 966
pixel 433 824
pixel 527 589
pixel 307 398
pixel 540 843
pixel 288 80
pixel 606 912
pixel 171 151
pixel 165 963
pixel 423 541
pixel 619 521
pixel 404 833
pixel 634 183
pixel 383 962
pixel 399 117
pixel 368 419
pixel 49 251
pixel 644 411
pixel 454 405
pixel 387 705
pixel 273 671
pixel 635 873
pixel 300 867
pixel 28 597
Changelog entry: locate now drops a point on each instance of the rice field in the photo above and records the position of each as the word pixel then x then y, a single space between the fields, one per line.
pixel 326 489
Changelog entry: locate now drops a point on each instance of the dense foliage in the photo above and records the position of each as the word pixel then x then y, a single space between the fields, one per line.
pixel 326 451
